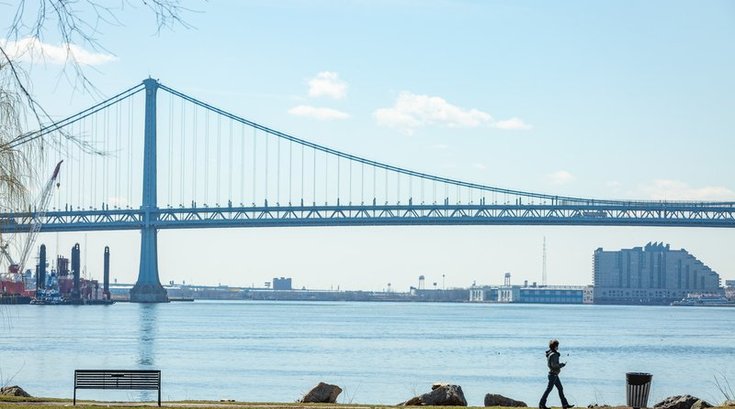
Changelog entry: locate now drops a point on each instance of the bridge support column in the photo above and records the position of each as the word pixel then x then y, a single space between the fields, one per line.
pixel 148 288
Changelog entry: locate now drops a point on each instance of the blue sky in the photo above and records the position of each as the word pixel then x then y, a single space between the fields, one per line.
pixel 609 99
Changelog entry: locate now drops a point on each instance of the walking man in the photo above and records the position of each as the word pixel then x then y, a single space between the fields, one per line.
pixel 552 360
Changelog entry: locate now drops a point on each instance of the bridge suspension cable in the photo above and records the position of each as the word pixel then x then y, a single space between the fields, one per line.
pixel 233 165
pixel 468 195
pixel 58 125
pixel 103 191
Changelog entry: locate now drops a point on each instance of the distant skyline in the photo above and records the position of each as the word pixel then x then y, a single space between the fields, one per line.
pixel 612 99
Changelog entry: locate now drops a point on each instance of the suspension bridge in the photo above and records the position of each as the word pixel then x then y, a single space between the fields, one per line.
pixel 221 170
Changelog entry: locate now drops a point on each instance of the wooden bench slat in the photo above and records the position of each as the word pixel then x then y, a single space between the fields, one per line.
pixel 120 379
pixel 129 386
pixel 117 380
pixel 104 388
pixel 117 377
pixel 118 383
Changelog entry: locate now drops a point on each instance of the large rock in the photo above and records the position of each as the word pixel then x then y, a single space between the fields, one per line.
pixel 441 394
pixel 14 390
pixel 500 400
pixel 322 393
pixel 445 395
pixel 682 402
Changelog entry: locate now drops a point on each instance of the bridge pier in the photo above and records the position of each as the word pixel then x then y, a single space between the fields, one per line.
pixel 148 288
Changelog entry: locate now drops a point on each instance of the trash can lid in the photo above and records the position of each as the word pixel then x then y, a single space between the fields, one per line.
pixel 638 378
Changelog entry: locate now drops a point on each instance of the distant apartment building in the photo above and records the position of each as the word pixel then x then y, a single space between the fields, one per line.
pixel 653 274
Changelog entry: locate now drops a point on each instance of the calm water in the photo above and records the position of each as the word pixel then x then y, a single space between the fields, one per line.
pixel 377 352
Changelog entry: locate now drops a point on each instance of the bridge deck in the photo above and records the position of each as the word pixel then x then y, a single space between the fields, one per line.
pixel 664 214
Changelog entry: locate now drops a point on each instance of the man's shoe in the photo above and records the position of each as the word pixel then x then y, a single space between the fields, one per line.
pixel 544 407
pixel 568 406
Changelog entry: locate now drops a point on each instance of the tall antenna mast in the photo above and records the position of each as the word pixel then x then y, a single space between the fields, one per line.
pixel 543 266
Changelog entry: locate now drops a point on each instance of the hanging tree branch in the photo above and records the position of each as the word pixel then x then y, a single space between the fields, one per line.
pixel 76 23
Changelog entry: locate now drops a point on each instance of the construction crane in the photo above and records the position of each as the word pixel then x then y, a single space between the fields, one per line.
pixel 16 269
pixel 5 254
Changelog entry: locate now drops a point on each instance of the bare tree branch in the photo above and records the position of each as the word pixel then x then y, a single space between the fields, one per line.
pixel 73 23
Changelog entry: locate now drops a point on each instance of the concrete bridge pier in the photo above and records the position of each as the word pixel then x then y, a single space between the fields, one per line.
pixel 148 288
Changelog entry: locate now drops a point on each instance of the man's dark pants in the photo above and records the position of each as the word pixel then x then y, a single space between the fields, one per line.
pixel 554 381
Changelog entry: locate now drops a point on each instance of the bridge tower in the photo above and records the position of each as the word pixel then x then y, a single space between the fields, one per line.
pixel 148 288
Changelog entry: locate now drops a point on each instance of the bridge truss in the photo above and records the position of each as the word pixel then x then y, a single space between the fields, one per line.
pixel 661 214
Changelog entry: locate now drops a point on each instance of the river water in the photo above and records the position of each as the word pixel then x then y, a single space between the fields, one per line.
pixel 380 353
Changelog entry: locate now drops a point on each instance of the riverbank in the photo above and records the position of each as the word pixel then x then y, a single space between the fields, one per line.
pixel 11 402
pixel 16 402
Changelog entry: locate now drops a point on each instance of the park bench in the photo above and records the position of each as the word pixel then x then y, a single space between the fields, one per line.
pixel 117 379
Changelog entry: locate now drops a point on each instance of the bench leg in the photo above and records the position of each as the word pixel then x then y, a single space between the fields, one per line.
pixel 75 397
pixel 159 396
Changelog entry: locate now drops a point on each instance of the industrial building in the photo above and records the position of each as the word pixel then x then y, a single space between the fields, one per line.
pixel 556 295
pixel 531 294
pixel 484 294
pixel 282 284
pixel 653 274
pixel 730 290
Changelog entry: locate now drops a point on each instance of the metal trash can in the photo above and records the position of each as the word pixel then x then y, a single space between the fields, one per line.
pixel 638 385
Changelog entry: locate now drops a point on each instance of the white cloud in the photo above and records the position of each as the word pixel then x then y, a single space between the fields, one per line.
pixel 560 177
pixel 512 124
pixel 479 166
pixel 33 49
pixel 666 189
pixel 411 111
pixel 327 84
pixel 322 114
